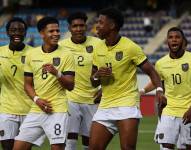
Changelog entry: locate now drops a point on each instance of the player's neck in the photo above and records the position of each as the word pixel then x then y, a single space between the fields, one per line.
pixel 48 48
pixel 177 54
pixel 112 39
pixel 18 47
pixel 78 41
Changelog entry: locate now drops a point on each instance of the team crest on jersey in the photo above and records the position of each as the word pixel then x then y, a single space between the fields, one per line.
pixel 2 133
pixel 119 56
pixel 185 67
pixel 23 59
pixel 89 49
pixel 56 61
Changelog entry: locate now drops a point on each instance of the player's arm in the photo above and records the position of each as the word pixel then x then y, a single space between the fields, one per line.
pixel 148 68
pixel 148 88
pixel 29 89
pixel 66 79
pixel 94 77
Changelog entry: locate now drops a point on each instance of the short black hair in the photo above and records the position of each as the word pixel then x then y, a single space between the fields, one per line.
pixel 15 19
pixel 114 14
pixel 42 23
pixel 77 15
pixel 177 29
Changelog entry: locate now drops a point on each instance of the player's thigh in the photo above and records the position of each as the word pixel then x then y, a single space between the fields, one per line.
pixel 88 112
pixel 168 130
pixel 9 126
pixel 31 130
pixel 22 145
pixel 100 136
pixel 55 127
pixel 74 120
pixel 128 131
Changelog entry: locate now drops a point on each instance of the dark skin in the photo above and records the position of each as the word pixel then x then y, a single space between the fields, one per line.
pixel 78 30
pixel 16 34
pixel 50 35
pixel 128 128
pixel 176 43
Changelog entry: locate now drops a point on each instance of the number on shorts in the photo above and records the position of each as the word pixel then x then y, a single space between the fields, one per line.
pixel 57 128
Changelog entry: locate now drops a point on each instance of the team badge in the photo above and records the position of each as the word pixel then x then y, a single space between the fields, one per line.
pixel 56 61
pixel 185 67
pixel 161 135
pixel 89 49
pixel 23 59
pixel 2 133
pixel 119 56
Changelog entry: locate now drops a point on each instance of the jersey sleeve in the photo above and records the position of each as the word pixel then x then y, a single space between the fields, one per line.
pixel 157 67
pixel 137 54
pixel 69 67
pixel 27 65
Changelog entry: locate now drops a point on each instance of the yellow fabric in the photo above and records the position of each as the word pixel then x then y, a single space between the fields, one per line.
pixel 13 99
pixel 46 85
pixel 83 91
pixel 176 74
pixel 121 89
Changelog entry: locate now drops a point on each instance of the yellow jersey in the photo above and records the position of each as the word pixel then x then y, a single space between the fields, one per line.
pixel 83 54
pixel 176 74
pixel 47 85
pixel 121 88
pixel 13 99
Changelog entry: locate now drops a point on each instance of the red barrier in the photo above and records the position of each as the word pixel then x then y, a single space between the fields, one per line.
pixel 147 105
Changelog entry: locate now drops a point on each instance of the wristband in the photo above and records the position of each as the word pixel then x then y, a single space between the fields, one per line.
pixel 95 78
pixel 99 87
pixel 59 74
pixel 35 98
pixel 159 89
pixel 142 90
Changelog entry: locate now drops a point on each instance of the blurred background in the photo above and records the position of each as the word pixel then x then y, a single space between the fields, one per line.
pixel 146 23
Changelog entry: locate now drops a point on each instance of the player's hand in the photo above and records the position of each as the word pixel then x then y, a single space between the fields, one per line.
pixel 187 116
pixel 97 96
pixel 44 105
pixel 49 68
pixel 103 72
pixel 142 91
pixel 162 102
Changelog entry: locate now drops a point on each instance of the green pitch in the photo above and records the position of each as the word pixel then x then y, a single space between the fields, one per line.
pixel 145 139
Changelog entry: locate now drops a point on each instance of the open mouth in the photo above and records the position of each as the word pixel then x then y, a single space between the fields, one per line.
pixel 16 38
pixel 174 46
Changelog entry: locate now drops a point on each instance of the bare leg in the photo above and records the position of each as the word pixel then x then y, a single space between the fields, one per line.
pixel 99 137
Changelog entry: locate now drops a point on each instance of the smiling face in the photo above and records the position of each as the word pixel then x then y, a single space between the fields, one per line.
pixel 78 29
pixel 175 41
pixel 51 34
pixel 16 33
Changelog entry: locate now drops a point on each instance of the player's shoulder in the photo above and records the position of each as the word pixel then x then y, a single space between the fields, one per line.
pixel 4 47
pixel 163 59
pixel 65 41
pixel 32 50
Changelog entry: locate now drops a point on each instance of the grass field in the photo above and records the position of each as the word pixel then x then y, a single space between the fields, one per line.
pixel 145 138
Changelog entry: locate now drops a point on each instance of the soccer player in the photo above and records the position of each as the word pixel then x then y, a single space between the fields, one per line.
pixel 175 73
pixel 49 72
pixel 81 99
pixel 115 69
pixel 14 103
